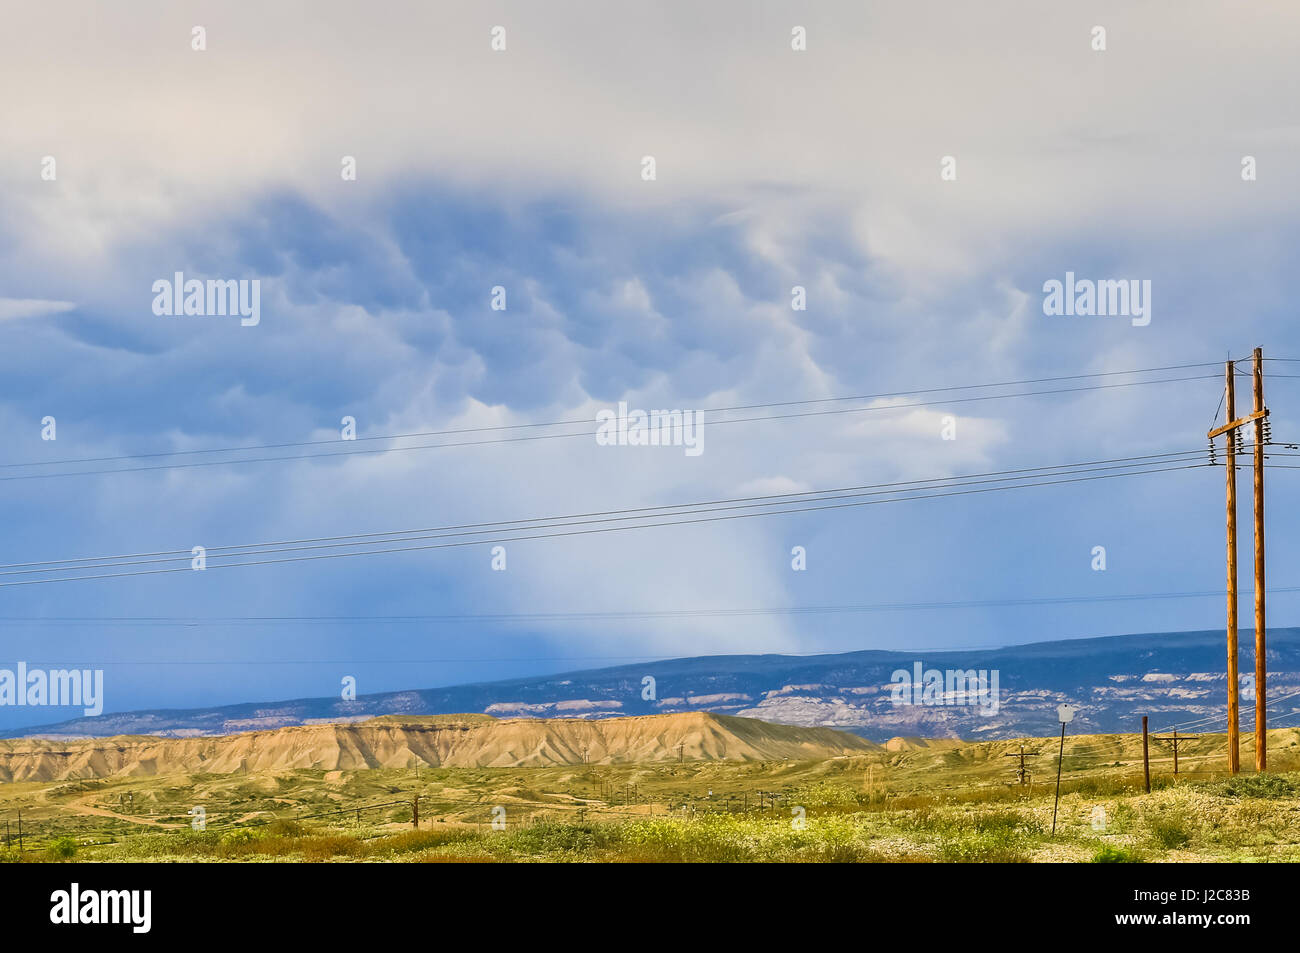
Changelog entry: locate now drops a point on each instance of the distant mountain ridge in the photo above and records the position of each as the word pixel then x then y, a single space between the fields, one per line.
pixel 1175 678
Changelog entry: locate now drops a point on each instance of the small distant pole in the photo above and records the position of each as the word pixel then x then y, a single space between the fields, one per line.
pixel 20 831
pixel 1174 739
pixel 1021 774
pixel 1146 758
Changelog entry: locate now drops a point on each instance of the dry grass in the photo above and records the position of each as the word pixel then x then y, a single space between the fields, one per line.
pixel 917 807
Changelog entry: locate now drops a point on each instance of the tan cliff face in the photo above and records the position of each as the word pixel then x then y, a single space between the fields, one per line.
pixel 442 741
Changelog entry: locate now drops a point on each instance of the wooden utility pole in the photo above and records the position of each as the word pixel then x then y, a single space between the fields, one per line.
pixel 415 811
pixel 1257 416
pixel 1174 739
pixel 1020 773
pixel 1261 709
pixel 1234 727
pixel 1230 466
pixel 1146 756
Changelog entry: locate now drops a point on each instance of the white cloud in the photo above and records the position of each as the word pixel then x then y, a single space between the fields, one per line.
pixel 12 309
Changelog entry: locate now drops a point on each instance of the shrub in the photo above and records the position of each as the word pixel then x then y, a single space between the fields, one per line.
pixel 1003 820
pixel 317 849
pixel 65 848
pixel 1001 845
pixel 1111 854
pixel 411 841
pixel 281 827
pixel 1256 785
pixel 829 794
pixel 1170 833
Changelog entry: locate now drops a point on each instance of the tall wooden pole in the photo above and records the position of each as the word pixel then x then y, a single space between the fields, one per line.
pixel 1234 751
pixel 1261 708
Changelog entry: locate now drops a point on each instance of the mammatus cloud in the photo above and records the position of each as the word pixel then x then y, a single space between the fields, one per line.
pixel 782 177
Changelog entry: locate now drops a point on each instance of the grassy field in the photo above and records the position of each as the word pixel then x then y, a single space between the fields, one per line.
pixel 949 802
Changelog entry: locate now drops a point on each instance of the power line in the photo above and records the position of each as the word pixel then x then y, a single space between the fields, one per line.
pixel 519 439
pixel 775 498
pixel 605 529
pixel 1198 723
pixel 577 421
pixel 614 616
pixel 575 532
pixel 639 513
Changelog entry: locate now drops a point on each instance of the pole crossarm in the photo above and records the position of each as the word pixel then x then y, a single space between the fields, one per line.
pixel 1239 422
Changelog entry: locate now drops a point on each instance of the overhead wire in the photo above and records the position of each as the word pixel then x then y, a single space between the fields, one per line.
pixel 545 530
pixel 588 432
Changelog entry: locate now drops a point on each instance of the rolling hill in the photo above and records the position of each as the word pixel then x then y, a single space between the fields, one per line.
pixel 454 741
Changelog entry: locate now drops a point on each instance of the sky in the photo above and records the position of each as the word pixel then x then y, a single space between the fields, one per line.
pixel 523 168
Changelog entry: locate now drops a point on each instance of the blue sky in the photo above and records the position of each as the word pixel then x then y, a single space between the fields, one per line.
pixel 522 169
